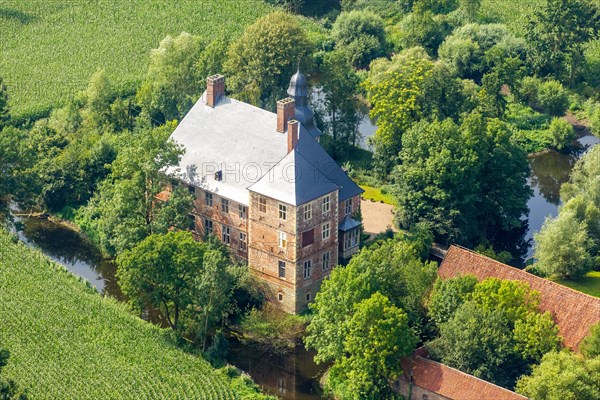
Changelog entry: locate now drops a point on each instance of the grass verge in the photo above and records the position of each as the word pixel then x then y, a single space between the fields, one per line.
pixel 589 284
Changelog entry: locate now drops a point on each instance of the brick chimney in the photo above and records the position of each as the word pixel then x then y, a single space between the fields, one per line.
pixel 293 129
pixel 285 112
pixel 215 88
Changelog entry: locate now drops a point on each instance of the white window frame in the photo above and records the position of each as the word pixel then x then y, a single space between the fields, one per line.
pixel 224 205
pixel 282 211
pixel 307 212
pixel 243 241
pixel 326 260
pixel 208 199
pixel 306 269
pixel 282 240
pixel 348 206
pixel 326 205
pixel 243 212
pixel 262 204
pixel 325 231
pixel 281 266
pixel 225 234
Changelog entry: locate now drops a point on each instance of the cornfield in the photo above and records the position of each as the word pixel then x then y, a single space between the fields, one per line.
pixel 50 49
pixel 68 342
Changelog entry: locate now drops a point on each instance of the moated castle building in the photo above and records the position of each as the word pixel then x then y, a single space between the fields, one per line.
pixel 264 185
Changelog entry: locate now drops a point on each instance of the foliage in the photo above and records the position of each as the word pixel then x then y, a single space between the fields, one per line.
pixel 595 122
pixel 177 75
pixel 91 346
pixel 420 28
pixel 361 35
pixel 568 246
pixel 340 107
pixel 387 9
pixel 556 35
pixel 561 133
pixel 562 375
pixel 492 329
pixel 552 98
pixel 467 182
pixel 92 36
pixel 186 279
pixel 124 209
pixel 15 160
pixel 590 346
pixel 260 63
pixel 377 195
pixel 4 105
pixel 504 256
pixel 378 337
pixel 392 268
pixel 448 295
pixel 272 329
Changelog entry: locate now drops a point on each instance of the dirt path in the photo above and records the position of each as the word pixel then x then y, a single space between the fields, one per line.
pixel 377 217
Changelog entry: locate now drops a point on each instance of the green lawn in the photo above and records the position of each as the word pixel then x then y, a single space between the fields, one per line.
pixel 68 342
pixel 375 194
pixel 589 284
pixel 50 49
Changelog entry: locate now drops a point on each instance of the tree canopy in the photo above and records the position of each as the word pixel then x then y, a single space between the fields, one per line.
pixel 361 35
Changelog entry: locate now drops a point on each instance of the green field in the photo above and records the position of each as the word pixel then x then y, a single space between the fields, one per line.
pixel 375 194
pixel 68 342
pixel 589 284
pixel 49 49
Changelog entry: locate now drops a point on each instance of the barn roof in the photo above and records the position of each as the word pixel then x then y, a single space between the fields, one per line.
pixel 574 312
pixel 452 383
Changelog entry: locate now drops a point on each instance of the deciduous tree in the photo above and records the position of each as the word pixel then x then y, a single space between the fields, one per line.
pixel 361 35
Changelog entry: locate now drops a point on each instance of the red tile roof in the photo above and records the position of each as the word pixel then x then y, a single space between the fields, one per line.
pixel 574 312
pixel 452 383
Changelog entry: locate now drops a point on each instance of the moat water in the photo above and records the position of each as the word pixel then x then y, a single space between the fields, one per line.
pixel 294 375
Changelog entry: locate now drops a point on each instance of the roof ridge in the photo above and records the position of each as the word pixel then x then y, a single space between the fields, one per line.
pixel 521 271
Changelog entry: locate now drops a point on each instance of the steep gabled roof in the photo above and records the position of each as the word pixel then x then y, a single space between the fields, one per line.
pixel 574 312
pixel 294 180
pixel 452 383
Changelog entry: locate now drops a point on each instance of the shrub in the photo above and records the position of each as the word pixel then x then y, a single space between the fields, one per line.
pixel 595 121
pixel 552 98
pixel 560 133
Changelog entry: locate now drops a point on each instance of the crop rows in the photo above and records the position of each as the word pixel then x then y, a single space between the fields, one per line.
pixel 51 48
pixel 68 342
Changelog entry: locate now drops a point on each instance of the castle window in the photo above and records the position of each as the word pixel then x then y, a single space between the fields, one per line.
pixel 282 240
pixel 225 205
pixel 326 231
pixel 192 189
pixel 326 204
pixel 243 211
pixel 280 296
pixel 326 259
pixel 307 268
pixel 308 212
pixel 192 226
pixel 351 239
pixel 307 297
pixel 281 269
pixel 348 206
pixel 208 226
pixel 226 234
pixel 243 241
pixel 208 199
pixel 262 204
pixel 282 212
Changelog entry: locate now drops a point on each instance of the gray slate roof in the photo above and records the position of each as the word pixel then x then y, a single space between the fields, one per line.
pixel 348 223
pixel 242 141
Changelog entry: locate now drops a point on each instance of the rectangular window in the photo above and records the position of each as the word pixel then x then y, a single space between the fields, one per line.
pixel 326 231
pixel 308 212
pixel 308 237
pixel 226 234
pixel 282 240
pixel 280 296
pixel 225 205
pixel 192 190
pixel 208 199
pixel 351 239
pixel 281 269
pixel 243 241
pixel 208 226
pixel 326 204
pixel 192 226
pixel 307 297
pixel 348 206
pixel 262 204
pixel 243 211
pixel 307 268
pixel 282 212
pixel 326 259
